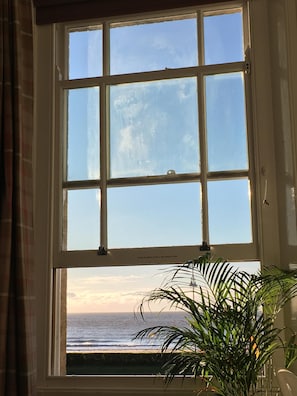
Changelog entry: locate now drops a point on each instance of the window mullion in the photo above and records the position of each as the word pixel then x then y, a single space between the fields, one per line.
pixel 246 28
pixel 202 129
pixel 64 195
pixel 104 145
pixel 203 157
pixel 251 151
pixel 106 47
pixel 200 35
pixel 103 166
pixel 249 122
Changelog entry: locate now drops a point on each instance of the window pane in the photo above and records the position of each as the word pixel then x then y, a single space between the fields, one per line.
pixel 101 320
pixel 112 289
pixel 154 128
pixel 85 53
pixel 83 134
pixel 226 122
pixel 83 217
pixel 251 267
pixel 229 211
pixel 151 46
pixel 223 38
pixel 163 215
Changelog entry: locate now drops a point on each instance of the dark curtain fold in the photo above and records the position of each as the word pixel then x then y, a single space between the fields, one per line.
pixel 17 325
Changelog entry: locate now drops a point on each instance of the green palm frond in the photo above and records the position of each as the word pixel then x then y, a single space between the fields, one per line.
pixel 276 287
pixel 290 350
pixel 229 333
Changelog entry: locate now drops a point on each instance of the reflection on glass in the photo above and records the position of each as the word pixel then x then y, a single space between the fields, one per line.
pixel 223 38
pixel 83 218
pixel 83 134
pixel 154 128
pixel 163 215
pixel 226 122
pixel 143 47
pixel 229 211
pixel 85 53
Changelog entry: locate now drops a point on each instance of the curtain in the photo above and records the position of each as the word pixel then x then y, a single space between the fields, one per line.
pixel 17 327
pixel 50 11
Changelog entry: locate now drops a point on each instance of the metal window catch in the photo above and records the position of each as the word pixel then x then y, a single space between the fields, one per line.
pixel 101 251
pixel 204 247
pixel 247 67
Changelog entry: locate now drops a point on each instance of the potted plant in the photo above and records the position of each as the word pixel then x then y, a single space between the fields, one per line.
pixel 230 332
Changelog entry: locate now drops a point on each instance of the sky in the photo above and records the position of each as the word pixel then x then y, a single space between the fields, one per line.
pixel 153 131
pixel 119 289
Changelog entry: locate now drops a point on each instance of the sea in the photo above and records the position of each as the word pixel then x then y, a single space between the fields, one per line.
pixel 115 332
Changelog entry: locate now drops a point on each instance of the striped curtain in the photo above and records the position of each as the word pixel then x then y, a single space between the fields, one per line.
pixel 17 327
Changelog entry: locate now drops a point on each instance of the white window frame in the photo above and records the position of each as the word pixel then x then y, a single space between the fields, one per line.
pixel 45 196
pixel 138 256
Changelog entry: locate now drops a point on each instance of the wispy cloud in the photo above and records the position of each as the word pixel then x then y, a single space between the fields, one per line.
pixel 104 290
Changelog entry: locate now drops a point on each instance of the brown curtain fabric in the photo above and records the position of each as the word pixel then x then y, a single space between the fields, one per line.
pixel 50 11
pixel 17 328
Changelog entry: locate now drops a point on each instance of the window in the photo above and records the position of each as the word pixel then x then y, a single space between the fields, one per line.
pixel 269 95
pixel 156 139
pixel 138 181
pixel 153 158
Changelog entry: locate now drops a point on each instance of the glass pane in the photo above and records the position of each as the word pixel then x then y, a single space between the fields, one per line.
pixel 251 267
pixel 223 38
pixel 83 217
pixel 229 211
pixel 85 52
pixel 163 215
pixel 226 122
pixel 101 320
pixel 83 134
pixel 154 128
pixel 112 289
pixel 151 46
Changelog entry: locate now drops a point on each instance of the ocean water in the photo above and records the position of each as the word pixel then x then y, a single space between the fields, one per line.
pixel 95 332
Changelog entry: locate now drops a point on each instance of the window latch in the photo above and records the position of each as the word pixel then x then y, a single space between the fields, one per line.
pixel 101 251
pixel 204 247
pixel 247 67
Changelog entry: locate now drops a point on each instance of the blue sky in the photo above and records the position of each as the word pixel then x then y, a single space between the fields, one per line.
pixel 153 130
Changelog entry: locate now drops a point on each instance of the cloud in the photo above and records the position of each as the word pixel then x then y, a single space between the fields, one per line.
pixel 92 301
pixel 126 140
pixel 108 279
pixel 117 289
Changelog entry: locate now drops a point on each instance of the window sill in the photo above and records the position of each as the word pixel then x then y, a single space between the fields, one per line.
pixel 118 385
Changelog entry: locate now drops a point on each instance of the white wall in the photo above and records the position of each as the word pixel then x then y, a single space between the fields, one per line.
pixel 283 33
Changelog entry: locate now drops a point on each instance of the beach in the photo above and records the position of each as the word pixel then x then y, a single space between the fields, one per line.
pixel 116 363
pixel 115 332
pixel 104 343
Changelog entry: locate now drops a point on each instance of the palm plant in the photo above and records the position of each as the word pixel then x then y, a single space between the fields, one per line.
pixel 229 334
